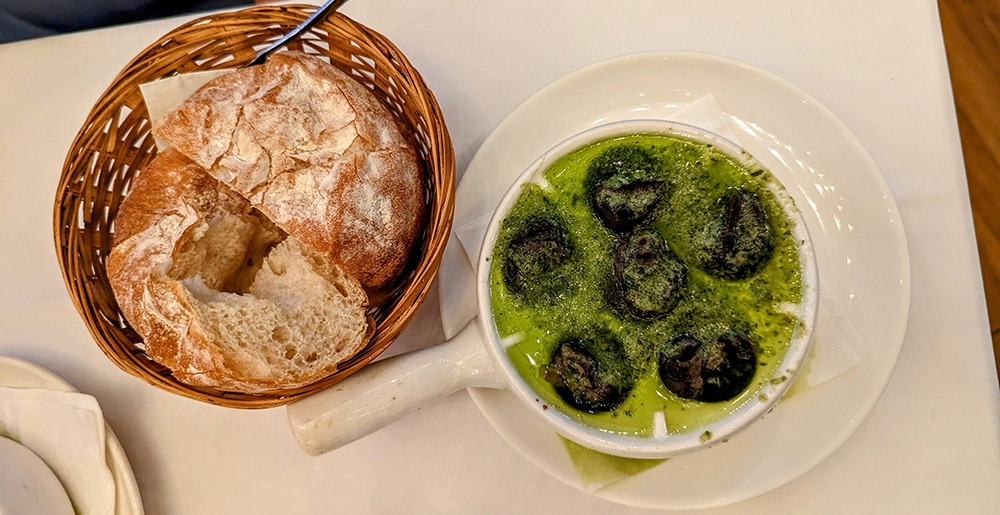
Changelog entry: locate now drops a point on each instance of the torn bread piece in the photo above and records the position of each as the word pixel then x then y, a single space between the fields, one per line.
pixel 222 296
pixel 316 153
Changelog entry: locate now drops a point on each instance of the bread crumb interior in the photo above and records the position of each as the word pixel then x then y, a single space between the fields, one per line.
pixel 227 250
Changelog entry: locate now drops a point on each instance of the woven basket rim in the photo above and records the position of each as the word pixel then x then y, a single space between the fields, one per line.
pixel 112 141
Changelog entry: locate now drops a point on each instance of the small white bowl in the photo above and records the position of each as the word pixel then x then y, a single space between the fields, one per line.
pixel 670 444
pixel 27 484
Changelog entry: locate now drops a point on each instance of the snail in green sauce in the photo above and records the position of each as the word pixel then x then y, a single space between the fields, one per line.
pixel 535 262
pixel 736 242
pixel 649 277
pixel 590 374
pixel 625 186
pixel 713 372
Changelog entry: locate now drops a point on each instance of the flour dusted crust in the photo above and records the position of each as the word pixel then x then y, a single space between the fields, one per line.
pixel 222 296
pixel 316 153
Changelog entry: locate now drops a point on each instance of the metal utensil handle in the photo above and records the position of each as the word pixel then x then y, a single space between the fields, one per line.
pixel 324 10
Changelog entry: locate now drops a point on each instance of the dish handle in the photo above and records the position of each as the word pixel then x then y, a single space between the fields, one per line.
pixel 390 389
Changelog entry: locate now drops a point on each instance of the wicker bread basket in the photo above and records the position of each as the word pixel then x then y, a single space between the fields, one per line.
pixel 115 143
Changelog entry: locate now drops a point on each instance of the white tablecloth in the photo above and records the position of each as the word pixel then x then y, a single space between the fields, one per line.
pixel 931 445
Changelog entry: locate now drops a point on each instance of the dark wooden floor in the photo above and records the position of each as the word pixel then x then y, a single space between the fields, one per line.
pixel 972 41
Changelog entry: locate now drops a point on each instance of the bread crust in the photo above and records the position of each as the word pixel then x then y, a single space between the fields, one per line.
pixel 317 153
pixel 168 282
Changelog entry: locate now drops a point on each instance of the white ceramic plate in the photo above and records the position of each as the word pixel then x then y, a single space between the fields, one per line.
pixel 860 249
pixel 27 484
pixel 19 374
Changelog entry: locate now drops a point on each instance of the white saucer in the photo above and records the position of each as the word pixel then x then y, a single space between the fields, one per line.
pixel 27 484
pixel 848 208
pixel 19 374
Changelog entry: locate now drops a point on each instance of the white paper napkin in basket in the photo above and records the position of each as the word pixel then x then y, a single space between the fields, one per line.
pixel 164 95
pixel 837 346
pixel 66 430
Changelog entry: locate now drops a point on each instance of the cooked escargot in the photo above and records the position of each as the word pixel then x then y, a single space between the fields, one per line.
pixel 649 278
pixel 535 261
pixel 590 374
pixel 625 186
pixel 736 242
pixel 712 372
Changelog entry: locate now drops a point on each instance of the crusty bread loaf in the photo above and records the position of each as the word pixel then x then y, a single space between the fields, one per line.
pixel 222 296
pixel 314 151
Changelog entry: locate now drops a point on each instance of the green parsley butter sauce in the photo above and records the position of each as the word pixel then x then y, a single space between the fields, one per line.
pixel 697 175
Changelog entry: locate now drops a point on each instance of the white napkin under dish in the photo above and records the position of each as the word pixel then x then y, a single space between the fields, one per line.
pixel 66 430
